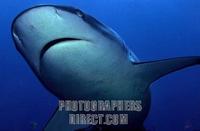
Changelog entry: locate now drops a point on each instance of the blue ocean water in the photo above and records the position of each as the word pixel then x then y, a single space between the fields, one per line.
pixel 153 29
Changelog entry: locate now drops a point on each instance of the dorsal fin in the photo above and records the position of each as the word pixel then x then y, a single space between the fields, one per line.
pixel 153 70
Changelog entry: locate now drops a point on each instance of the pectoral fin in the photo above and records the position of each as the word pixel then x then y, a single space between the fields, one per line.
pixel 60 122
pixel 151 71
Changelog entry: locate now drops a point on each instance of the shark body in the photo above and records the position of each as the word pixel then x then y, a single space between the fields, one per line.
pixel 78 58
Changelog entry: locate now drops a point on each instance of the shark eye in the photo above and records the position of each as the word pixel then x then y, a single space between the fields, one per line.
pixel 79 13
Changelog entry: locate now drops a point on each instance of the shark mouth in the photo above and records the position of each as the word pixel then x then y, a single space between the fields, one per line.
pixel 55 42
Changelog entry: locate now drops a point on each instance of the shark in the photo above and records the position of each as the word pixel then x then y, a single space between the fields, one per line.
pixel 77 57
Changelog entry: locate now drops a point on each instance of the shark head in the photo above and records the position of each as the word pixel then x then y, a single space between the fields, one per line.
pixel 68 48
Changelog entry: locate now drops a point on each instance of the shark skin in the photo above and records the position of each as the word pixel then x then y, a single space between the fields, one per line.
pixel 78 58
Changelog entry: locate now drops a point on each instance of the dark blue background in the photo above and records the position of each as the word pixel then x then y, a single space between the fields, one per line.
pixel 153 29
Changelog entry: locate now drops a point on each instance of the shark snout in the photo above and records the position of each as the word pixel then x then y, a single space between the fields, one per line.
pixel 37 29
pixel 45 23
pixel 39 24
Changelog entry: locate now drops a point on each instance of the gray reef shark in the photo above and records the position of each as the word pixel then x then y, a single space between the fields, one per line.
pixel 78 58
